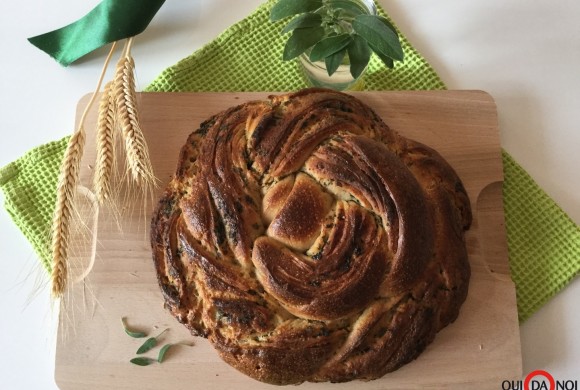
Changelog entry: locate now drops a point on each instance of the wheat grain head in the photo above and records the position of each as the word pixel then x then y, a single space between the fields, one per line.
pixel 61 223
pixel 137 153
pixel 105 140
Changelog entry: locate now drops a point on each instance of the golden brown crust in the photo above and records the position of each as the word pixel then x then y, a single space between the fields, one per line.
pixel 309 242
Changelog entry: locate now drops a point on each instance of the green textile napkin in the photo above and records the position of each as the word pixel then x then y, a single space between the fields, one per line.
pixel 544 244
pixel 29 187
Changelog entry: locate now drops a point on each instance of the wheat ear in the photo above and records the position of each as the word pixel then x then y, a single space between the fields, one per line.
pixel 69 177
pixel 105 160
pixel 65 197
pixel 139 163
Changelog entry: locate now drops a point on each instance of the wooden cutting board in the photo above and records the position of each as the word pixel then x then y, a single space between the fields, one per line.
pixel 479 350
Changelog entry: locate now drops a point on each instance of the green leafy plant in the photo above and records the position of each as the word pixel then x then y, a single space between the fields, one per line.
pixel 330 30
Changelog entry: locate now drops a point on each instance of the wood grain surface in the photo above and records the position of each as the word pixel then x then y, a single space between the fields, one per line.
pixel 479 350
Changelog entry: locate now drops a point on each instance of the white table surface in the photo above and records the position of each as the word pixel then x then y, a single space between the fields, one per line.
pixel 525 53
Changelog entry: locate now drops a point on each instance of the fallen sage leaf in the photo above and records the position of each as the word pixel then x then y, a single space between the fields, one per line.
pixel 164 349
pixel 142 361
pixel 150 343
pixel 132 333
pixel 162 352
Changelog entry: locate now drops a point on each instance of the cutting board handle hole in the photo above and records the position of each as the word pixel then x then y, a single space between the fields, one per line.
pixel 490 216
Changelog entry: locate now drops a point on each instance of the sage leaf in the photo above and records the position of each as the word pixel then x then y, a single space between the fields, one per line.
pixel 166 347
pixel 349 7
pixel 163 351
pixel 388 24
pixel 142 361
pixel 329 46
pixel 285 8
pixel 302 21
pixel 386 60
pixel 130 332
pixel 359 54
pixel 300 40
pixel 333 61
pixel 380 38
pixel 150 343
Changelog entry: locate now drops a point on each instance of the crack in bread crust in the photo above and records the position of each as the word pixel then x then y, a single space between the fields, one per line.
pixel 310 242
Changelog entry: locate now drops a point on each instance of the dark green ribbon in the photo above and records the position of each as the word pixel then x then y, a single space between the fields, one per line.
pixel 109 21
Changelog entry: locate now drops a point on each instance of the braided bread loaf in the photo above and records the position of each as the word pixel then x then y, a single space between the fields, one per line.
pixel 309 242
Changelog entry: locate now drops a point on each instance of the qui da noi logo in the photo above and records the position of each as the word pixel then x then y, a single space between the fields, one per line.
pixel 540 380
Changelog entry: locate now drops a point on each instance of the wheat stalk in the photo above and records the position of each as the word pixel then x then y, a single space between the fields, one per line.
pixel 118 106
pixel 65 197
pixel 139 163
pixel 64 211
pixel 105 138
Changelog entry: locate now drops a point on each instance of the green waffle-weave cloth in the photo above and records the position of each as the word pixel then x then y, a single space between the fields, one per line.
pixel 544 244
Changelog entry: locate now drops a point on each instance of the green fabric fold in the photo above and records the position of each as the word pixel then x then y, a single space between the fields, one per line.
pixel 29 187
pixel 544 244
